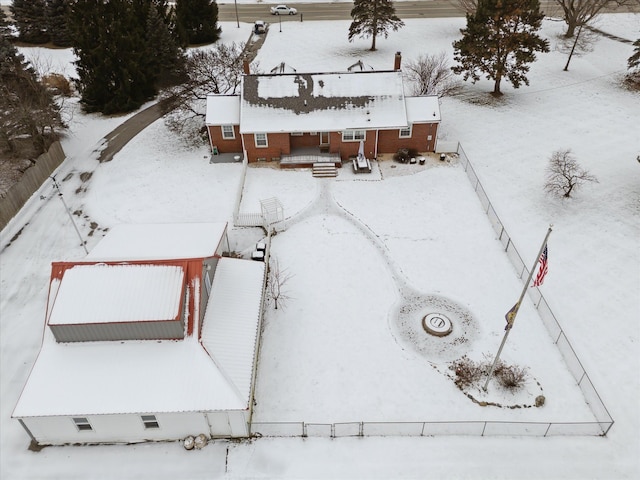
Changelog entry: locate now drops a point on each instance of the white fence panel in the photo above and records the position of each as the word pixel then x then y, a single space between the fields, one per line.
pixel 318 430
pixel 392 429
pixel 593 429
pixel 347 429
pixel 278 429
pixel 453 428
pixel 516 429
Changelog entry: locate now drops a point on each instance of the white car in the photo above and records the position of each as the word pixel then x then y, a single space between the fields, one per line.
pixel 283 10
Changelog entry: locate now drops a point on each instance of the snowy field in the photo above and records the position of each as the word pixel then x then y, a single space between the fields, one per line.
pixel 357 249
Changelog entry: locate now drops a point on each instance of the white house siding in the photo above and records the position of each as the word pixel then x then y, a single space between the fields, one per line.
pixel 233 423
pixel 124 428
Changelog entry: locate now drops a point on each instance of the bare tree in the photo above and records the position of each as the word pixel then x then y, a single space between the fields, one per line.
pixel 583 42
pixel 276 285
pixel 467 6
pixel 564 175
pixel 218 70
pixel 431 75
pixel 582 12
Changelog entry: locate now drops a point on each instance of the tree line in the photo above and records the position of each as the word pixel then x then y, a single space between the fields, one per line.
pixel 127 50
pixel 29 116
pixel 130 50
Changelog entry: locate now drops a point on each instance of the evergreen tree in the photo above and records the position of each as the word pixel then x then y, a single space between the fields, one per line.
pixel 5 28
pixel 197 21
pixel 57 22
pixel 372 18
pixel 167 58
pixel 125 52
pixel 500 41
pixel 634 60
pixel 29 17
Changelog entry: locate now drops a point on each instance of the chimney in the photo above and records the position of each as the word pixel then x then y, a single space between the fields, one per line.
pixel 396 64
pixel 245 66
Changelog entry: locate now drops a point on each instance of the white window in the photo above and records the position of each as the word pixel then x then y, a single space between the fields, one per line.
pixel 260 139
pixel 227 132
pixel 405 132
pixel 150 421
pixel 296 134
pixel 82 424
pixel 353 135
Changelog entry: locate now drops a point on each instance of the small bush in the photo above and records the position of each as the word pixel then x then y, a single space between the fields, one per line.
pixel 467 371
pixel 510 377
pixel 57 84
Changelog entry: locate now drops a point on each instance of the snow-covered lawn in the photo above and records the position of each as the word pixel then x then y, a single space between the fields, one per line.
pixel 356 249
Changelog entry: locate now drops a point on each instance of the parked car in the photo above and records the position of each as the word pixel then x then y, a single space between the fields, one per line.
pixel 283 10
pixel 259 27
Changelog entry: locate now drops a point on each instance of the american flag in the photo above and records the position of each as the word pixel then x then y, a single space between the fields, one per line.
pixel 542 271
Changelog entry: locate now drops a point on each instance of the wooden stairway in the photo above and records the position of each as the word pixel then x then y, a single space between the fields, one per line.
pixel 325 170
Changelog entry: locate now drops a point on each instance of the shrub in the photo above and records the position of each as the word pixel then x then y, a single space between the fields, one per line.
pixel 467 372
pixel 57 84
pixel 511 377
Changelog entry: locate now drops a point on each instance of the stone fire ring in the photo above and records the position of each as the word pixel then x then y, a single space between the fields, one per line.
pixel 437 324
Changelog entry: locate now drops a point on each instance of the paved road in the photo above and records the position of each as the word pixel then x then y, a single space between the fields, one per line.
pixel 333 11
pixel 342 10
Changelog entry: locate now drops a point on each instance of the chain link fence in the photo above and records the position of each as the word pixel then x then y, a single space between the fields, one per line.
pixel 600 427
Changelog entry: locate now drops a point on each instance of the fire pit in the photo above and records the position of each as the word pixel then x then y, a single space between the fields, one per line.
pixel 437 324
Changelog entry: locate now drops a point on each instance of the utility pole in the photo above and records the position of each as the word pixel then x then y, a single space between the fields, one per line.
pixel 55 184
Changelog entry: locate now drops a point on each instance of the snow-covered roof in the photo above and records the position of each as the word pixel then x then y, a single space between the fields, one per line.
pixel 118 293
pixel 163 241
pixel 322 102
pixel 90 378
pixel 423 109
pixel 223 110
pixel 152 376
pixel 230 326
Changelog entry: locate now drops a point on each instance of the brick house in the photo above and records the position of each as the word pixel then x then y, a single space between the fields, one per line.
pixel 297 117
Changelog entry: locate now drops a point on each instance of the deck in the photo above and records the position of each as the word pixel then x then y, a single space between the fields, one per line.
pixel 306 157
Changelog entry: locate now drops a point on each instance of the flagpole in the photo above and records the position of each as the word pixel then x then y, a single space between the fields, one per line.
pixel 512 314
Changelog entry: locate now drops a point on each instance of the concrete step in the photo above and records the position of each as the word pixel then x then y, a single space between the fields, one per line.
pixel 325 169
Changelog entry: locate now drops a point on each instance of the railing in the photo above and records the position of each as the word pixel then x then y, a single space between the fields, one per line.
pixel 600 427
pixel 425 429
pixel 310 158
pixel 599 410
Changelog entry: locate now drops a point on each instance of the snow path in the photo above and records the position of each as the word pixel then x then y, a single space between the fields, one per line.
pixel 324 203
pixel 405 314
